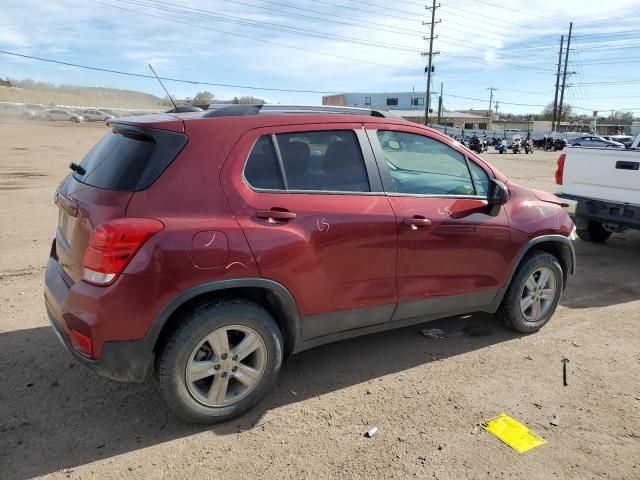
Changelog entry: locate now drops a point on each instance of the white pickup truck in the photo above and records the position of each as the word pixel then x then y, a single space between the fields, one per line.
pixel 602 188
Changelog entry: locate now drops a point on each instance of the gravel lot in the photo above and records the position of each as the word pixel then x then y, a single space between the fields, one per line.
pixel 426 396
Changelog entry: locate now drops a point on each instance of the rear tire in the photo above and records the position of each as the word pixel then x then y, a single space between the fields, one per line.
pixel 538 280
pixel 203 366
pixel 594 233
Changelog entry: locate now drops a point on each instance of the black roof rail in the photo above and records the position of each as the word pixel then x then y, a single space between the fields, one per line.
pixel 241 110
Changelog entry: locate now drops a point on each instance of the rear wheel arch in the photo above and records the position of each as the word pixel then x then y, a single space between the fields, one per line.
pixel 272 296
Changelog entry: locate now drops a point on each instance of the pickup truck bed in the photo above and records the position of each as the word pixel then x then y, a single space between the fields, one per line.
pixel 602 187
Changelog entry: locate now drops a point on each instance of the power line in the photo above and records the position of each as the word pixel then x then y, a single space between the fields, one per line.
pixel 270 26
pixel 360 24
pixel 177 80
pixel 257 39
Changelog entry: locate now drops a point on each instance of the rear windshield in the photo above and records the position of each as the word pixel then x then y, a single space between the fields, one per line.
pixel 130 158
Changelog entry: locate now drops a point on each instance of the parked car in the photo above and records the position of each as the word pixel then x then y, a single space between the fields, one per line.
pixel 37 109
pixel 602 190
pixel 626 140
pixel 302 226
pixel 96 116
pixel 58 114
pixel 12 110
pixel 593 141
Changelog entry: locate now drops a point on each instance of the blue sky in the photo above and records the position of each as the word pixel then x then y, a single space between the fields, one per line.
pixel 335 46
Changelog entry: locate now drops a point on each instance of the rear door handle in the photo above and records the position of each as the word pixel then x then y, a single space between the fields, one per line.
pixel 274 216
pixel 416 222
pixel 627 165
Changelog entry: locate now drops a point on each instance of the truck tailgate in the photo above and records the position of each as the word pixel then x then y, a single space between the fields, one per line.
pixel 603 174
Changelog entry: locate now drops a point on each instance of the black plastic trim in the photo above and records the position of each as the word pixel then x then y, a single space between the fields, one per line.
pixel 329 323
pixel 523 251
pixel 627 215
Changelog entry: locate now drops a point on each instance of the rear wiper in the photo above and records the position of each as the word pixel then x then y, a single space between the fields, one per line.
pixel 77 168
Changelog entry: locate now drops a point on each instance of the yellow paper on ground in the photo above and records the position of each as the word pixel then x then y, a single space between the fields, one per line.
pixel 513 433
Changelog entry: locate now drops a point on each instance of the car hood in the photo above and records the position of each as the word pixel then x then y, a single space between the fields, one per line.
pixel 547 197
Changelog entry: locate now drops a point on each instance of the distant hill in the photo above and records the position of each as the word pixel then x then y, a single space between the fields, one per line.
pixel 29 91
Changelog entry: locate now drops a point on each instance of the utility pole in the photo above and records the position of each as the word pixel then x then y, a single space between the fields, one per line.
pixel 555 98
pixel 430 54
pixel 491 89
pixel 440 105
pixel 564 75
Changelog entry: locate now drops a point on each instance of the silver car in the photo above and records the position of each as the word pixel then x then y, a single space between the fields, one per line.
pixel 96 116
pixel 593 141
pixel 12 110
pixel 59 114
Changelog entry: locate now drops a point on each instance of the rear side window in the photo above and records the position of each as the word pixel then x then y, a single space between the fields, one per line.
pixel 262 170
pixel 319 161
pixel 130 158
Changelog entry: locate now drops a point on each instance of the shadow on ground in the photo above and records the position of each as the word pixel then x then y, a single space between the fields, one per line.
pixel 607 273
pixel 45 390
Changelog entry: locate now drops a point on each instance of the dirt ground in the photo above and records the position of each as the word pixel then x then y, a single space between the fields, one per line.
pixel 427 397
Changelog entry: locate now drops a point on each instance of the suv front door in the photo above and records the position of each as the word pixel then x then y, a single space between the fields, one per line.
pixel 453 248
pixel 311 204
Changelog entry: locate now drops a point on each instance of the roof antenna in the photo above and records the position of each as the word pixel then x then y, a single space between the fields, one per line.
pixel 174 103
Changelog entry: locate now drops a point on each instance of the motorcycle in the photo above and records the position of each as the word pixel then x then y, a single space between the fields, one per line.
pixel 476 145
pixel 528 146
pixel 502 147
pixel 515 146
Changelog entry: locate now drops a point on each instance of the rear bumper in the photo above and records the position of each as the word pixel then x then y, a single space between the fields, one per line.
pixel 582 210
pixel 82 308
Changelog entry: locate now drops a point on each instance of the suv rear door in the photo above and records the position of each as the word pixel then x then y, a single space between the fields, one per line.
pixel 310 202
pixel 452 247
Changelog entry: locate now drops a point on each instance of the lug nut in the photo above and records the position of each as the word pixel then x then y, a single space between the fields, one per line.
pixel 224 374
pixel 234 369
pixel 235 357
pixel 223 356
pixel 216 367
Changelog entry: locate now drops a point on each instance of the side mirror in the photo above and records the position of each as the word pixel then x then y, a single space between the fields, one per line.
pixel 498 193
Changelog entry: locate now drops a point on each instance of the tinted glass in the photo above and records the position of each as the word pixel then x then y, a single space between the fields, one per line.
pixel 421 165
pixel 328 161
pixel 262 169
pixel 130 159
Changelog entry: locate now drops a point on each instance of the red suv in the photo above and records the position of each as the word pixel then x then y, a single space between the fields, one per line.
pixel 207 247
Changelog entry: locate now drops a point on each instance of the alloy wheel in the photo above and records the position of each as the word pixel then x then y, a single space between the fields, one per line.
pixel 538 294
pixel 226 365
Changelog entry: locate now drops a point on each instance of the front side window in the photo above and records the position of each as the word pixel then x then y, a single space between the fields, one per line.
pixel 320 161
pixel 424 166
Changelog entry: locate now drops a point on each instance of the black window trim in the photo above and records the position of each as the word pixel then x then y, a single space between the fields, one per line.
pixel 370 163
pixel 387 179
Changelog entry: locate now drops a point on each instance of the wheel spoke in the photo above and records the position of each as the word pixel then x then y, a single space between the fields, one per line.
pixel 247 375
pixel 548 294
pixel 219 341
pixel 218 391
pixel 246 347
pixel 543 278
pixel 531 284
pixel 527 302
pixel 199 370
pixel 535 309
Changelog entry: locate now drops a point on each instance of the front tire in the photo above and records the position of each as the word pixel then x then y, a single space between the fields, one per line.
pixel 534 293
pixel 594 233
pixel 220 362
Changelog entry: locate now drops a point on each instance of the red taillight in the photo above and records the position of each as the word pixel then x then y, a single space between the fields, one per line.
pixel 113 244
pixel 560 169
pixel 81 343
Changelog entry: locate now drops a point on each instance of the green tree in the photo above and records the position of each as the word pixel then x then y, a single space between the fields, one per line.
pixel 203 98
pixel 547 113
